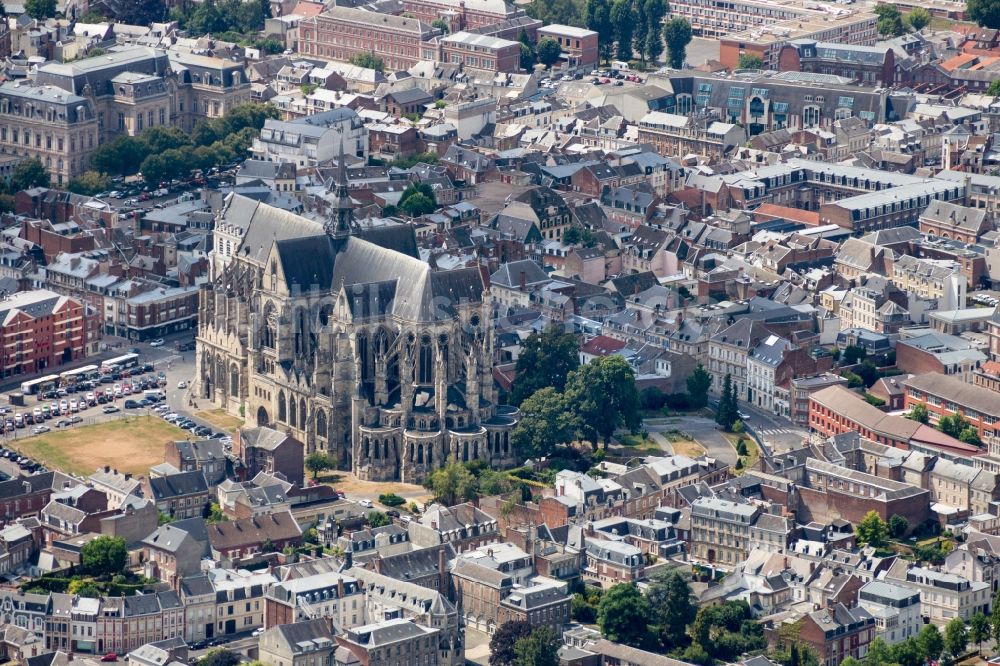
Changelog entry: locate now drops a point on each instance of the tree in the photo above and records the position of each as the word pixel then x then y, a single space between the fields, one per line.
pixel 104 555
pixel 378 519
pixel 27 174
pixel 548 51
pixel 417 204
pixel 219 657
pixel 994 88
pixel 677 33
pixel 546 421
pixel 931 642
pixel 984 12
pixel 368 61
pixel 623 20
pixel 868 372
pixel 995 619
pixel 317 462
pixel 140 12
pixel 503 641
pixel 546 359
pixel 956 637
pixel 890 21
pixel 215 514
pixel 622 614
pixel 879 653
pixel 452 483
pixel 598 19
pixel 953 424
pixel 441 25
pixel 669 599
pixel 872 530
pixel 907 653
pixel 539 648
pixel 527 57
pixel 206 19
pixel 728 412
pixel 604 397
pixel 918 19
pixel 40 9
pixel 89 183
pixel 698 383
pixel 919 413
pixel 853 354
pixel 979 630
pixel 750 61
pixel 653 12
pixel 898 525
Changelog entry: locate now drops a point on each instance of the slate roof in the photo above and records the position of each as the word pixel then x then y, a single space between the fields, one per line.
pixel 178 485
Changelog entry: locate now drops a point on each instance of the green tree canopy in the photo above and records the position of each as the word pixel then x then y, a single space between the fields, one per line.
pixel 622 614
pixel 984 12
pixel 728 412
pixel 104 555
pixel 979 629
pixel 919 413
pixel 27 174
pixel 994 88
pixel 546 359
pixel 604 397
pixel 898 525
pixel 40 9
pixel 89 183
pixel 548 51
pixel 539 648
pixel 918 19
pixel 890 21
pixel 378 519
pixel 677 33
pixel 452 483
pixel 698 384
pixel 623 20
pixel 670 604
pixel 598 18
pixel 750 61
pixel 503 640
pixel 368 61
pixel 956 637
pixel 546 422
pixel 441 25
pixel 219 657
pixel 318 461
pixel 931 642
pixel 872 530
pixel 653 12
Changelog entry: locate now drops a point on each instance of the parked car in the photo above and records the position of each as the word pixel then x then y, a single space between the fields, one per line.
pixel 40 430
pixel 158 342
pixel 132 404
pixel 110 409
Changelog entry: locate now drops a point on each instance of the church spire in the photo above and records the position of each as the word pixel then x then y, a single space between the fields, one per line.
pixel 344 212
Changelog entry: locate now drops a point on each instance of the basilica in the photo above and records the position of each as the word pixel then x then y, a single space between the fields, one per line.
pixel 347 340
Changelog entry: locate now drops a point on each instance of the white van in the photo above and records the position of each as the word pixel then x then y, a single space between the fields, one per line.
pixel 620 66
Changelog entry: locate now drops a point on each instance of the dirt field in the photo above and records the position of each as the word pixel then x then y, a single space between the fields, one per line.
pixel 131 444
pixel 352 486
pixel 221 420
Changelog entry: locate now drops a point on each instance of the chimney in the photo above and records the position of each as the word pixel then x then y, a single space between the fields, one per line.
pixel 107 468
pixel 442 570
pixel 524 280
pixel 340 587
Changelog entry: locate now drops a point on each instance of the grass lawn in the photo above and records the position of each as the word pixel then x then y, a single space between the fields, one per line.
pixel 753 451
pixel 131 444
pixel 221 420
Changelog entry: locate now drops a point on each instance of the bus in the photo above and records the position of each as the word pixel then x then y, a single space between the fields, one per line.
pixel 40 385
pixel 73 376
pixel 120 363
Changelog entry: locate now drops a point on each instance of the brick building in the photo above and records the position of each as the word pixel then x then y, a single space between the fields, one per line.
pixel 944 395
pixel 40 329
pixel 267 450
pixel 341 33
pixel 481 52
pixel 579 47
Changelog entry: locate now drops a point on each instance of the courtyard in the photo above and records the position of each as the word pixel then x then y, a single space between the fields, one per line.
pixel 128 444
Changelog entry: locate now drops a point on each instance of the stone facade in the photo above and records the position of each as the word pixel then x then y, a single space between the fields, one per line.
pixel 350 343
